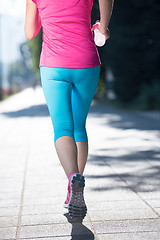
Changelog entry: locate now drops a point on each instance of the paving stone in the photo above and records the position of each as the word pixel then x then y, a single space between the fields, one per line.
pixel 11 173
pixel 100 184
pixel 34 180
pixel 43 209
pixel 9 202
pixel 130 236
pixel 74 237
pixel 42 219
pixel 8 233
pixel 41 186
pixel 51 238
pixel 109 195
pixel 10 221
pixel 150 195
pixel 146 225
pixel 37 193
pixel 9 211
pixel 117 205
pixel 55 230
pixel 121 214
pixel 157 210
pixel 38 201
pixel 6 196
pixel 155 203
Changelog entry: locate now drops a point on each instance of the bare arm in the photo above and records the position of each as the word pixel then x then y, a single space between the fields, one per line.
pixel 32 20
pixel 105 7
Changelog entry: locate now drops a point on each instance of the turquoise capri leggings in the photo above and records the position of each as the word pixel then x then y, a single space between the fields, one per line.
pixel 69 93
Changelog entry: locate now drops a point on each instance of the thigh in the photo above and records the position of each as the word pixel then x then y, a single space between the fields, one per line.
pixel 85 84
pixel 57 93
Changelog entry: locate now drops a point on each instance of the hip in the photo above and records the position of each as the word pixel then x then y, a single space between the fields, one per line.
pixel 70 75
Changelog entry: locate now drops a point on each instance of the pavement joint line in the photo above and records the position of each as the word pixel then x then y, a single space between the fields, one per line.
pixel 8 207
pixel 36 214
pixel 121 209
pixel 23 185
pixel 8 239
pixel 115 233
pixel 45 224
pixel 32 205
pixel 47 237
pixel 8 216
pixel 61 236
pixel 7 227
pixel 125 220
pixel 55 213
pixel 21 200
pixel 7 177
pixel 92 228
pixel 13 206
pixel 132 189
pixel 94 221
pixel 125 200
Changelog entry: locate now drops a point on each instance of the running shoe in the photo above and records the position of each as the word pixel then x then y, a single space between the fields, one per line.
pixel 65 205
pixel 76 207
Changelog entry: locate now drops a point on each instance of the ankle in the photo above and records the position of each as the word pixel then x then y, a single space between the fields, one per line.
pixel 71 174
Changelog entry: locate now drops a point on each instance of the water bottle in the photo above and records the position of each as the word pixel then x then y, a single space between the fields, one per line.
pixel 99 38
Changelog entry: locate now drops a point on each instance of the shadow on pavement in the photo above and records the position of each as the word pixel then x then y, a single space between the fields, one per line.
pixel 79 231
pixel 116 118
pixel 33 111
pixel 142 179
pixel 139 168
pixel 123 119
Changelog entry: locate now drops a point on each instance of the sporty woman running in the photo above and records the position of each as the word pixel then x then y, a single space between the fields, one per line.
pixel 69 69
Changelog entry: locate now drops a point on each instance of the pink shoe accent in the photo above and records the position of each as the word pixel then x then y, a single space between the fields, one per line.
pixel 67 200
pixel 69 190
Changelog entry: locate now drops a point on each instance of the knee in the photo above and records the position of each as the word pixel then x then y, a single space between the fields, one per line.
pixel 80 134
pixel 63 129
pixel 66 129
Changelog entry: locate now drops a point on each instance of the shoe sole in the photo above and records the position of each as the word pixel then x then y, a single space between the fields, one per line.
pixel 65 205
pixel 77 208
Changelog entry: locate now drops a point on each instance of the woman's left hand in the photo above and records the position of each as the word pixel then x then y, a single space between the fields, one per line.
pixel 106 32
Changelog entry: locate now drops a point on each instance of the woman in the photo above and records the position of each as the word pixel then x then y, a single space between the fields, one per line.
pixel 69 69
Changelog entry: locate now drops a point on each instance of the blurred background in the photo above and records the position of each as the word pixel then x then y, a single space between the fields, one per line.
pixel 16 64
pixel 130 75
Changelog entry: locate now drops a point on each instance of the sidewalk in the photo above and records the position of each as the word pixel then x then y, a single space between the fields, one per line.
pixel 122 174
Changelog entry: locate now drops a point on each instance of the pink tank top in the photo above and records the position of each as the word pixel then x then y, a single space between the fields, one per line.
pixel 68 41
